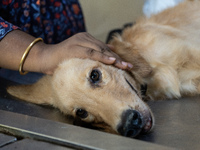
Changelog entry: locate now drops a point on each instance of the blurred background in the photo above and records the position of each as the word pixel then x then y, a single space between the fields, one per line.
pixel 102 16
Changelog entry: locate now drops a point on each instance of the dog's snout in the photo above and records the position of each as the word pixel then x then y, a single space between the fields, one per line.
pixel 131 124
pixel 135 118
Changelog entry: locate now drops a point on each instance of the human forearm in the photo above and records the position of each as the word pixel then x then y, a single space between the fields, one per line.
pixel 12 47
pixel 45 58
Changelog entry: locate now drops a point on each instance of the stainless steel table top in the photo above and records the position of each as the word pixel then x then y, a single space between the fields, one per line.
pixel 177 125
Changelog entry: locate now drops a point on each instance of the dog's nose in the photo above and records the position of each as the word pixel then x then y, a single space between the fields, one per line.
pixel 131 124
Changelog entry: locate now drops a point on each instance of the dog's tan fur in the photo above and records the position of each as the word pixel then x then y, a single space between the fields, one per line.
pixel 70 89
pixel 167 44
pixel 165 53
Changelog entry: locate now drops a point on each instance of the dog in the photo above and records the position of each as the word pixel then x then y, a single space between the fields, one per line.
pixel 96 93
pixel 164 51
pixel 168 45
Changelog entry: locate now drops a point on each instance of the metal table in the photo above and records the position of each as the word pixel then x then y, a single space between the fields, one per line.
pixel 29 126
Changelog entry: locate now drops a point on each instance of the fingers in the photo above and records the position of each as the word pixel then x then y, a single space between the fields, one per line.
pixel 88 41
pixel 106 59
pixel 99 51
pixel 110 46
pixel 122 64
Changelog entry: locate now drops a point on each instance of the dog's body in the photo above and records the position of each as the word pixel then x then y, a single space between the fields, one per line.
pixel 164 51
pixel 168 44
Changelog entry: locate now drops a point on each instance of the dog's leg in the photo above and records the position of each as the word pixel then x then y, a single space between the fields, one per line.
pixel 164 84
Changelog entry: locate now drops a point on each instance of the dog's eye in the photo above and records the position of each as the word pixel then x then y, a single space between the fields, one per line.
pixel 95 76
pixel 81 113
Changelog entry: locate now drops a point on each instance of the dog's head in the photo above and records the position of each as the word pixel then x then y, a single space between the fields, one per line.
pixel 95 93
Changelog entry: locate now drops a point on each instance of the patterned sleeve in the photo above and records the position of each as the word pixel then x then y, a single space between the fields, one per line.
pixel 5 28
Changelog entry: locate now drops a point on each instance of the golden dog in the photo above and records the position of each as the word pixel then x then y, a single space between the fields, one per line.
pixel 167 44
pixel 95 93
pixel 164 50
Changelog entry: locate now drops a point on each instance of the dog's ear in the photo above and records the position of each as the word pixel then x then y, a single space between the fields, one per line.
pixel 131 54
pixel 38 93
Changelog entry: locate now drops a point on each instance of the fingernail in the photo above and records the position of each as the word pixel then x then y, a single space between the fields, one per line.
pixel 124 63
pixel 112 58
pixel 130 65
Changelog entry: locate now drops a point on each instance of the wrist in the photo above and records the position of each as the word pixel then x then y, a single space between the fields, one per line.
pixel 25 55
pixel 34 60
pixel 47 58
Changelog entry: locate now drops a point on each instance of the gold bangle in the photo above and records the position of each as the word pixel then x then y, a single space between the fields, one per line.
pixel 25 55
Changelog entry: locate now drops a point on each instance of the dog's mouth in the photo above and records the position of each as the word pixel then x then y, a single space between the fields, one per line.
pixel 148 126
pixel 133 124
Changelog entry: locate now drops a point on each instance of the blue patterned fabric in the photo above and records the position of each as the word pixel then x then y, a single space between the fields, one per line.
pixel 53 20
pixel 5 27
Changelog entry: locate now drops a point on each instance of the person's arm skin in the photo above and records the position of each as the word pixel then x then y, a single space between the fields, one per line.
pixel 44 58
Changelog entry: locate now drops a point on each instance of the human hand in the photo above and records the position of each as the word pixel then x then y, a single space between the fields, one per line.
pixel 81 45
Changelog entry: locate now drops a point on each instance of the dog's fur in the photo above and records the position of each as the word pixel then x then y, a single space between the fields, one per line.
pixel 165 53
pixel 71 88
pixel 167 44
